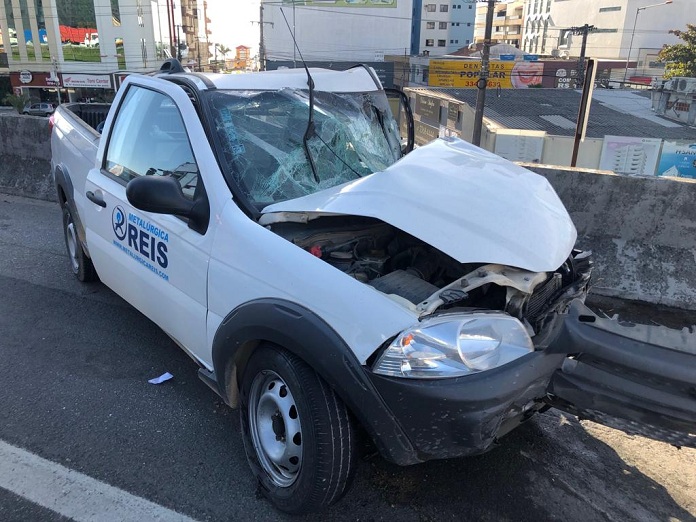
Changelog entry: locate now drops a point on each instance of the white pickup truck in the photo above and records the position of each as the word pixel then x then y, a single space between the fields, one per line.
pixel 327 279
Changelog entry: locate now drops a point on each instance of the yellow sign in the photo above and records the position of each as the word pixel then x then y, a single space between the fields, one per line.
pixel 463 74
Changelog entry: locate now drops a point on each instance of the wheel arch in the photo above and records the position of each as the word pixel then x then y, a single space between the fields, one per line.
pixel 65 194
pixel 305 334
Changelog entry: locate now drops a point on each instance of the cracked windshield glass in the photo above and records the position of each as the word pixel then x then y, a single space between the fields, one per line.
pixel 262 140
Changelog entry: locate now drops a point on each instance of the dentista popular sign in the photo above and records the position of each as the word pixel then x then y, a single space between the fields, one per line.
pixel 463 74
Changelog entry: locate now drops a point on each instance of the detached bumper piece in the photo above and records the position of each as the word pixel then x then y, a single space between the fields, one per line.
pixel 637 378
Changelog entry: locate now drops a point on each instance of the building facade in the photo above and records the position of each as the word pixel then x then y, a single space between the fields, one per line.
pixel 508 24
pixel 443 27
pixel 340 30
pixel 547 25
pixel 80 47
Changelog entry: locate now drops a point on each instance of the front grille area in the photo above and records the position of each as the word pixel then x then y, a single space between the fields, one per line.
pixel 570 281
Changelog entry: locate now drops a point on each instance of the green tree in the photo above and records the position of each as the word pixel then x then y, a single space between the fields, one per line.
pixel 680 58
pixel 18 102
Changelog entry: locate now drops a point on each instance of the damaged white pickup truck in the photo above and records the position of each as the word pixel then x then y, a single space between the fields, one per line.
pixel 328 279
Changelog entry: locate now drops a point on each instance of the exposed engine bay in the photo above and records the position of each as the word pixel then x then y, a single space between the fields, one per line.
pixel 425 280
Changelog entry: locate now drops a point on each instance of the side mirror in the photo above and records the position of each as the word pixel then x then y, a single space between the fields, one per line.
pixel 401 108
pixel 163 195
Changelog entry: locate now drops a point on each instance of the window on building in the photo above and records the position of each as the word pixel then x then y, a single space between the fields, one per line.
pixel 468 42
pixel 443 25
pixel 444 8
pixel 430 8
pixel 468 24
pixel 430 25
pixel 430 42
pixel 469 6
pixel 441 43
pixel 609 9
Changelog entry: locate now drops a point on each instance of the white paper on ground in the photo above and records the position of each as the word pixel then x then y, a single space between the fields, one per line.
pixel 162 378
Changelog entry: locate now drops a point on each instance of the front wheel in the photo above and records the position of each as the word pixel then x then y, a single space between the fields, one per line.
pixel 298 435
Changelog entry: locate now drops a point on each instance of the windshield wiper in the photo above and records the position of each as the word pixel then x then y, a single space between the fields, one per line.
pixel 309 131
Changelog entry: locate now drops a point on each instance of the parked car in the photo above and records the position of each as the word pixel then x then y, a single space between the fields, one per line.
pixel 330 279
pixel 39 109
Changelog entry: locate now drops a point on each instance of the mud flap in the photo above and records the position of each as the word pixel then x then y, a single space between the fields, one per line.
pixel 640 379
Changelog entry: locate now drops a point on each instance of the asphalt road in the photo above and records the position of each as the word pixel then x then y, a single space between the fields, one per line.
pixel 74 365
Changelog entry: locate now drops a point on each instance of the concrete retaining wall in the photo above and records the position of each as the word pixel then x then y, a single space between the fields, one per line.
pixel 25 156
pixel 642 232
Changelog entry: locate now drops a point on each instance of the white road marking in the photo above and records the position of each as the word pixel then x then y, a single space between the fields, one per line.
pixel 72 494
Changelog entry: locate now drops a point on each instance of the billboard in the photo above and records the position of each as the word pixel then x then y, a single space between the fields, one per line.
pixel 631 156
pixel 558 74
pixel 678 159
pixel 342 3
pixel 463 74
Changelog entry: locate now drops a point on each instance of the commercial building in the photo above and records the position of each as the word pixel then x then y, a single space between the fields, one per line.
pixel 365 30
pixel 82 49
pixel 548 23
pixel 507 23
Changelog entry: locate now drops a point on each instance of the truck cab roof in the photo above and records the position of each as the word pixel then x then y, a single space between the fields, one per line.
pixel 357 79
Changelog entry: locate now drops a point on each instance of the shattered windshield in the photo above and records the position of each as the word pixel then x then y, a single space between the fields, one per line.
pixel 260 135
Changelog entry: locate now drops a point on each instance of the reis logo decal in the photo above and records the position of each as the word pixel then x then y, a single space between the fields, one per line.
pixel 145 242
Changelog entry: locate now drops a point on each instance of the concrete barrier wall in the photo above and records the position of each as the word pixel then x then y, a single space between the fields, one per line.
pixel 642 231
pixel 25 156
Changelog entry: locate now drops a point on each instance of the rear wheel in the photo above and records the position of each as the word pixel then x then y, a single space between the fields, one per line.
pixel 80 264
pixel 298 436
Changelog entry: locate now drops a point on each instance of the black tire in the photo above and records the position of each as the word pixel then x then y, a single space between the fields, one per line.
pixel 327 438
pixel 80 264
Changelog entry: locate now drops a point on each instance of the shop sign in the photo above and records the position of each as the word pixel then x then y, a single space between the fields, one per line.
pixel 452 111
pixel 425 133
pixel 678 159
pixel 53 79
pixel 25 76
pixel 428 107
pixel 93 81
pixel 464 74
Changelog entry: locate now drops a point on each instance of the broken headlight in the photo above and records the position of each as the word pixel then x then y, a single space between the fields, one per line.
pixel 455 345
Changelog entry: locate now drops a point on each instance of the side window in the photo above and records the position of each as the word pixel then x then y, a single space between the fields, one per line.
pixel 149 138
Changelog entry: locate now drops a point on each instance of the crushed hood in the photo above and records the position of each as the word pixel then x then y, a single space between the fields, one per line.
pixel 468 203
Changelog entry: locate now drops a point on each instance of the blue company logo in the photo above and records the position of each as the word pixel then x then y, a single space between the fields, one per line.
pixel 118 221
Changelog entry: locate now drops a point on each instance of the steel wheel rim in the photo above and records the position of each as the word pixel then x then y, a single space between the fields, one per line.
pixel 276 431
pixel 72 246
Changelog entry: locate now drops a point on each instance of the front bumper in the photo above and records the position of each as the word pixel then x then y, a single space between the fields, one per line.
pixel 636 378
pixel 466 415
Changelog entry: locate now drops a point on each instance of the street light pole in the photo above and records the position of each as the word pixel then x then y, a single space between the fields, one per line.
pixel 633 32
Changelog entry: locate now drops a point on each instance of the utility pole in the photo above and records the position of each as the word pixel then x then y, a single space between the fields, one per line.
pixel 584 111
pixel 262 47
pixel 583 30
pixel 198 53
pixel 483 77
pixel 170 23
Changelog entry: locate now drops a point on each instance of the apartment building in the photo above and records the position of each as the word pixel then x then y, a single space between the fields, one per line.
pixel 547 25
pixel 442 27
pixel 508 23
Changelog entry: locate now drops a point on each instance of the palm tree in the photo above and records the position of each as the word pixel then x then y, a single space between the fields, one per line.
pixel 223 50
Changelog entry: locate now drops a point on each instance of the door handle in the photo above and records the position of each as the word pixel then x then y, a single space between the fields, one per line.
pixel 94 198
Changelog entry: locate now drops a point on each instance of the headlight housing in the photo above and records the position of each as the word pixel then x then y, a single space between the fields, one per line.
pixel 455 345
